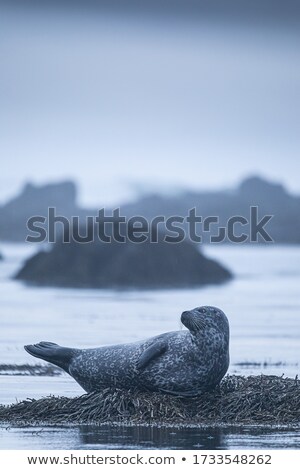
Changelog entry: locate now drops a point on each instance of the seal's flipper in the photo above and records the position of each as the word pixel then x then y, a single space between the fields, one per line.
pixel 52 352
pixel 154 351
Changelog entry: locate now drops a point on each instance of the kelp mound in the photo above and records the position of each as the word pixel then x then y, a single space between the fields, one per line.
pixel 253 400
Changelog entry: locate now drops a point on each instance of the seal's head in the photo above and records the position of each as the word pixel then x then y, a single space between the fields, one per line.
pixel 206 318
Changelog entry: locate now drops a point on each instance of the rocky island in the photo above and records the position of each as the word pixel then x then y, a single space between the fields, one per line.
pixel 123 266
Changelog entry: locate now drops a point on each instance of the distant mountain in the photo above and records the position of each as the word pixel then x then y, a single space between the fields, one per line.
pixel 35 200
pixel 123 266
pixel 271 199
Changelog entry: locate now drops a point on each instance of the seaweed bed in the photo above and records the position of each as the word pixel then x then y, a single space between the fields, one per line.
pixel 254 400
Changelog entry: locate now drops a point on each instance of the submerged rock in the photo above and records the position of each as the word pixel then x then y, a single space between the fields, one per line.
pixel 123 265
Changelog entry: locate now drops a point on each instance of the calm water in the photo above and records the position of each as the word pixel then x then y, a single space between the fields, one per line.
pixel 262 304
pixel 140 437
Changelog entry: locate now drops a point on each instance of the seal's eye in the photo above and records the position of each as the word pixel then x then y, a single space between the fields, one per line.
pixel 202 310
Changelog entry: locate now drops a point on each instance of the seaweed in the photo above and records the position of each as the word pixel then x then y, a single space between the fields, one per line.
pixel 252 400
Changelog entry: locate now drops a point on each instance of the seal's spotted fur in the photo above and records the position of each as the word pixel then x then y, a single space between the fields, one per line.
pixel 182 363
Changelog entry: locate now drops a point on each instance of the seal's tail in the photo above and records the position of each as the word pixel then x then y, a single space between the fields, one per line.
pixel 51 352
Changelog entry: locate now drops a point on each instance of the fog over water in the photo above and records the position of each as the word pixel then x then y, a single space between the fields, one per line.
pixel 126 103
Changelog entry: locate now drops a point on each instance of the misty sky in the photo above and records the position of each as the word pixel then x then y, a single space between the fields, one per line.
pixel 124 104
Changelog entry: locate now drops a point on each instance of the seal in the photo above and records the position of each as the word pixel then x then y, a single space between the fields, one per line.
pixel 183 363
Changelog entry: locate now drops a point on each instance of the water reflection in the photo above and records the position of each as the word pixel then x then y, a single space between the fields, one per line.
pixel 142 437
pixel 148 437
pixel 88 437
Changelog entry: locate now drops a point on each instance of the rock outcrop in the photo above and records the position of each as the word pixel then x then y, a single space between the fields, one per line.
pixel 123 266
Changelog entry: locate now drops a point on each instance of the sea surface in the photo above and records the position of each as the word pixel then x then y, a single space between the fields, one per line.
pixel 262 304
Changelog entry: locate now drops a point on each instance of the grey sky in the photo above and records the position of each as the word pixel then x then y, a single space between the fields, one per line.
pixel 124 105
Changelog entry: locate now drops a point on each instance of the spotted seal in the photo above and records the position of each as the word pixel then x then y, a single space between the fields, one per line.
pixel 182 363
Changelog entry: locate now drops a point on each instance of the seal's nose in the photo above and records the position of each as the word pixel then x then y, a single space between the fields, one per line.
pixel 184 315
